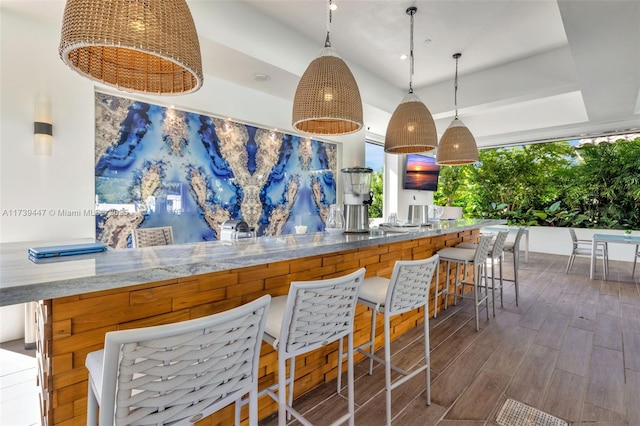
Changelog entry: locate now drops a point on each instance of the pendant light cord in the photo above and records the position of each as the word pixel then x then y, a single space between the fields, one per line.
pixel 411 11
pixel 456 56
pixel 327 42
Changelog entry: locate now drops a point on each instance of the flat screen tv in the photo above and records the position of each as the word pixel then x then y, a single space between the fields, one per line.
pixel 421 173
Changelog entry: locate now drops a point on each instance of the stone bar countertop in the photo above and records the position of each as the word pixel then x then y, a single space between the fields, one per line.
pixel 23 280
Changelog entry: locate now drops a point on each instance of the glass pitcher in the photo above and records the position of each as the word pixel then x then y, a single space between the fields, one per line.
pixel 335 220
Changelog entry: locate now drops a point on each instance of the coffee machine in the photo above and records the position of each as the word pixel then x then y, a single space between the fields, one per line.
pixel 356 185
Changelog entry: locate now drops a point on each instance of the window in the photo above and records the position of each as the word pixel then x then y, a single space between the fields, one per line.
pixel 374 158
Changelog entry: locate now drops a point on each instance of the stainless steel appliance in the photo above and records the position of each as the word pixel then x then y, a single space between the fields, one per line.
pixel 418 214
pixel 423 214
pixel 356 185
pixel 235 229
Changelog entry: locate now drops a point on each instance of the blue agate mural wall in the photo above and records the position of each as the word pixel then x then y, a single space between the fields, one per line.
pixel 159 166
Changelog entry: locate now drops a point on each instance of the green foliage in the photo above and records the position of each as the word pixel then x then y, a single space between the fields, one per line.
pixel 450 184
pixel 550 184
pixel 375 209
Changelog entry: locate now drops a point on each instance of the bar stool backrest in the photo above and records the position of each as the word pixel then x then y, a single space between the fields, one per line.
pixel 319 312
pixel 409 285
pixel 519 234
pixel 498 244
pixel 149 237
pixel 483 249
pixel 184 371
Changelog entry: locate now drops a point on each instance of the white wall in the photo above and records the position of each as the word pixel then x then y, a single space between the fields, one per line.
pixel 396 199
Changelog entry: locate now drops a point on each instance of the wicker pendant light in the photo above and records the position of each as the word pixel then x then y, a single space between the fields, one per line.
pixel 457 146
pixel 411 128
pixel 327 100
pixel 148 46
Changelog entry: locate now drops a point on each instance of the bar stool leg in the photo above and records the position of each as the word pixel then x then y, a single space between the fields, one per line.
pixel 387 367
pixel 427 356
pixel 350 380
pixel 340 357
pixel 282 392
pixel 446 287
pixel 373 338
pixel 92 407
pixel 501 293
pixel 475 298
pixel 516 262
pixel 493 285
pixel 457 283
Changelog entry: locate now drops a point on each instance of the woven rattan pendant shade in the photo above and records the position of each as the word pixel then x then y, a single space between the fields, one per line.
pixel 327 100
pixel 457 146
pixel 411 128
pixel 148 46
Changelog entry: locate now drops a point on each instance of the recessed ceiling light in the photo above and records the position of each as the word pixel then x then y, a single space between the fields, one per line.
pixel 261 77
pixel 403 56
pixel 427 40
pixel 333 6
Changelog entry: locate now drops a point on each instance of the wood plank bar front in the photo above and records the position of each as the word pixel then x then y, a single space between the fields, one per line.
pixel 71 327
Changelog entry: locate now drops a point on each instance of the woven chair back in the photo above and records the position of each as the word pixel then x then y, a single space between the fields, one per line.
pixel 409 285
pixel 182 372
pixel 498 244
pixel 319 312
pixel 149 237
pixel 483 249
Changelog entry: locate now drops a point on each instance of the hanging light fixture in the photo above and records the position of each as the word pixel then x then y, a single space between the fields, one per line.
pixel 411 128
pixel 457 146
pixel 327 100
pixel 148 46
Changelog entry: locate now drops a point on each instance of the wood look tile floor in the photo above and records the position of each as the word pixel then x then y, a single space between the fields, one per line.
pixel 571 349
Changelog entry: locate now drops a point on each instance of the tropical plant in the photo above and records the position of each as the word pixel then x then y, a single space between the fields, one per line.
pixel 554 184
pixel 375 209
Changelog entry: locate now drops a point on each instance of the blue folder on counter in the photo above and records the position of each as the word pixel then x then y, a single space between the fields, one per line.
pixel 66 250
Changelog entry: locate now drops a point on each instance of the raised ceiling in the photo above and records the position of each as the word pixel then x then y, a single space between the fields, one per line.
pixel 530 70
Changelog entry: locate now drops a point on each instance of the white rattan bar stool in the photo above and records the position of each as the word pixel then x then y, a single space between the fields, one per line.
pixel 178 373
pixel 465 257
pixel 314 314
pixel 513 247
pixel 408 289
pixel 495 256
pixel 149 237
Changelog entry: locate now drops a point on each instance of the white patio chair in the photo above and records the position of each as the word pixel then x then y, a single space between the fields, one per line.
pixel 461 256
pixel 178 373
pixel 635 260
pixel 314 314
pixel 148 237
pixel 408 289
pixel 584 248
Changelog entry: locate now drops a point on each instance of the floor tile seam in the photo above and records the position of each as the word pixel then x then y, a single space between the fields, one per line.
pixel 318 404
pixel 419 395
pixel 624 375
pixel 363 405
pixel 464 349
pixel 453 403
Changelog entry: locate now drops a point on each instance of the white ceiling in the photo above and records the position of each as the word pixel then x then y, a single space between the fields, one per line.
pixel 531 70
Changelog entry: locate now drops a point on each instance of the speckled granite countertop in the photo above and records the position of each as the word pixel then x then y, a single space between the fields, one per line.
pixel 22 280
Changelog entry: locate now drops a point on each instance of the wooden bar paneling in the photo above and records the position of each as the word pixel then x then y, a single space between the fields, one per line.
pixel 71 327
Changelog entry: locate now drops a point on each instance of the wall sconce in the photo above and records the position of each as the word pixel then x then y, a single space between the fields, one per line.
pixel 43 127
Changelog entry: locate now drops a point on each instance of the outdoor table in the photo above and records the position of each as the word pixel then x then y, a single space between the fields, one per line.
pixel 609 238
